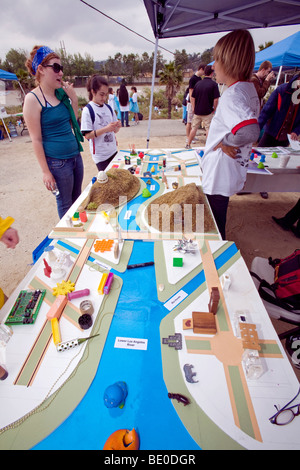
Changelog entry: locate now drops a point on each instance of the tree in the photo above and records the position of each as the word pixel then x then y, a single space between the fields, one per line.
pixel 207 55
pixel 181 58
pixel 26 81
pixel 67 62
pixel 171 77
pixel 14 60
pixel 113 66
pixel 82 66
pixel 132 66
pixel 261 47
pixel 145 65
pixel 194 60
pixel 160 62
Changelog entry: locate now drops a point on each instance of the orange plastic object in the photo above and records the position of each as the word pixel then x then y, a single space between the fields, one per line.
pixel 57 307
pixel 123 439
pixel 103 245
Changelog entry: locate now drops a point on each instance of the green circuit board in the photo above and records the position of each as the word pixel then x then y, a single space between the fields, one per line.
pixel 26 307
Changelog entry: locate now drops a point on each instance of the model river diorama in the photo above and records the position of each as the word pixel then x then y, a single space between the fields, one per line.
pixel 139 289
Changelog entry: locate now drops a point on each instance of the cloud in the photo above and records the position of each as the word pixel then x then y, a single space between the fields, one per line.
pixel 25 23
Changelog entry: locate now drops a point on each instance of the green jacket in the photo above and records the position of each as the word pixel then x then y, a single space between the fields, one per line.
pixel 62 96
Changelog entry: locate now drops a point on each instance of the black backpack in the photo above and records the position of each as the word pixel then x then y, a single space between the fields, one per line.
pixel 92 113
pixel 285 291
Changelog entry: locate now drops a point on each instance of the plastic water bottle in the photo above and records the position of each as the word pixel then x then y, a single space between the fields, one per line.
pixel 55 191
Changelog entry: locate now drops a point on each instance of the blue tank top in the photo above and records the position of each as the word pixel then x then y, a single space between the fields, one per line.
pixel 57 135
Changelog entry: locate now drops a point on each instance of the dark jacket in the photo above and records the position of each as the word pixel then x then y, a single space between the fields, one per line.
pixel 274 112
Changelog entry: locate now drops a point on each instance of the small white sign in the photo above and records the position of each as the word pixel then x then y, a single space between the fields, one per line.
pixel 131 343
pixel 127 215
pixel 175 300
pixel 102 265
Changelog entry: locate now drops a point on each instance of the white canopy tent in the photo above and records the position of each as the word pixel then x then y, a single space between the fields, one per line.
pixel 174 18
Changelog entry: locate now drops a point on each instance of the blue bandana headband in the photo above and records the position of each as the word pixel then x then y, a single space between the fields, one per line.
pixel 40 55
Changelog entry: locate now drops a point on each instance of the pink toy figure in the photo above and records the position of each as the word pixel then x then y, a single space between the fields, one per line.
pixel 47 269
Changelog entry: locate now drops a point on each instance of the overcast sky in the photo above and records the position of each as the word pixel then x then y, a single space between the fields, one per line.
pixel 24 23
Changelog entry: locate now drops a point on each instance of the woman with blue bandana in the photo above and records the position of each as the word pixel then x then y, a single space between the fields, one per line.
pixel 50 112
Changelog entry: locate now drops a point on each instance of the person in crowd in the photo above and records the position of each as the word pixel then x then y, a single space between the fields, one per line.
pixel 280 116
pixel 193 80
pixel 111 98
pixel 124 104
pixel 291 220
pixel 99 123
pixel 204 102
pixel 117 104
pixel 262 79
pixel 234 126
pixel 10 237
pixel 134 104
pixel 50 117
pixel 184 106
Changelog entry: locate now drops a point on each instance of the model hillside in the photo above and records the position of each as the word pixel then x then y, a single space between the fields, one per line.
pixel 109 187
pixel 173 208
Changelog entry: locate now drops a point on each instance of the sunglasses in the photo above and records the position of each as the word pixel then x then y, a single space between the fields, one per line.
pixel 56 67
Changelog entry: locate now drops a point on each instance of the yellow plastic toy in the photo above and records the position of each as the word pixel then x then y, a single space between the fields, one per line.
pixel 55 331
pixel 63 288
pixel 102 283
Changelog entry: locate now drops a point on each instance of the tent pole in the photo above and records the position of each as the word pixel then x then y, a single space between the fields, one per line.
pixel 22 89
pixel 152 90
pixel 278 76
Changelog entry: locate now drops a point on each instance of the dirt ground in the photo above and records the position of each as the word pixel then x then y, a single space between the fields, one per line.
pixel 23 196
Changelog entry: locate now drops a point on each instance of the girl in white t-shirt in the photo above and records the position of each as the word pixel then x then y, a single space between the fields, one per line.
pixel 99 123
pixel 234 127
pixel 111 98
pixel 134 108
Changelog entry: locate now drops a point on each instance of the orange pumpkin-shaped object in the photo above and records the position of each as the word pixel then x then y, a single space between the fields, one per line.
pixel 123 439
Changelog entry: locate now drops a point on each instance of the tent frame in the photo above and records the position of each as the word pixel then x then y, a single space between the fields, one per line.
pixel 165 21
pixel 7 115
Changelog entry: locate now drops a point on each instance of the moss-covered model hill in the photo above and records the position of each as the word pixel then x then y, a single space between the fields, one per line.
pixel 120 184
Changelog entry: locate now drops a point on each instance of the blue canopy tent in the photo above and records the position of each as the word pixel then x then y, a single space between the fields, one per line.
pixel 284 54
pixel 175 18
pixel 4 75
